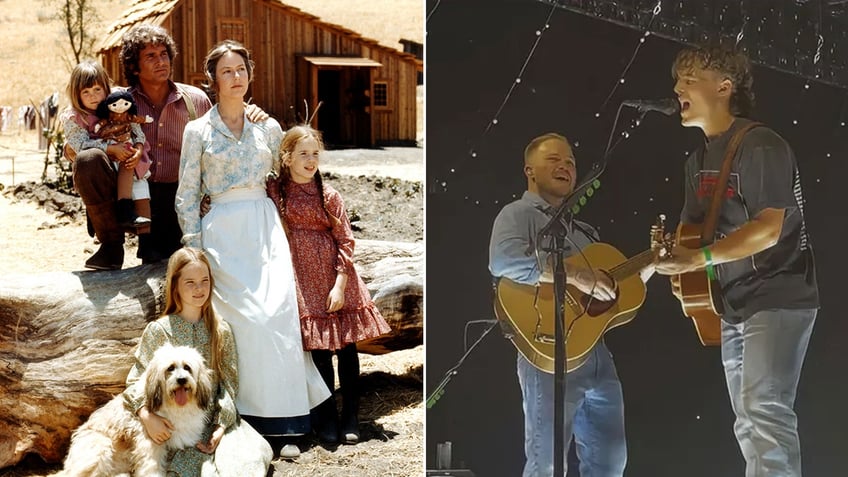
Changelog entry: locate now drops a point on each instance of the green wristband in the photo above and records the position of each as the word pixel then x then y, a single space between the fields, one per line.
pixel 710 269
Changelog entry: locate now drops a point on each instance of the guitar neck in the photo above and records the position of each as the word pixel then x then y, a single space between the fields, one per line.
pixel 633 265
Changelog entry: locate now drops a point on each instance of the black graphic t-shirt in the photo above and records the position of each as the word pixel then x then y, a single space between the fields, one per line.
pixel 764 175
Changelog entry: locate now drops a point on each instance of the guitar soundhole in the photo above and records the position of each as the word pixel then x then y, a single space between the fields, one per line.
pixel 595 307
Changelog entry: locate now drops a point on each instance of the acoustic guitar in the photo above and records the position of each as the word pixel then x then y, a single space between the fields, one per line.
pixel 527 311
pixel 699 297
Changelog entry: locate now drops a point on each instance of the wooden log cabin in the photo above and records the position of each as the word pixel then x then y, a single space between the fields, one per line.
pixel 368 90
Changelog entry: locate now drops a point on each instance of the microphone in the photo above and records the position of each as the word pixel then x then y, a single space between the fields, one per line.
pixel 666 106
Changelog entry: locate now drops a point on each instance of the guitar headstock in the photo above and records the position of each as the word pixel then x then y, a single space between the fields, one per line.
pixel 661 243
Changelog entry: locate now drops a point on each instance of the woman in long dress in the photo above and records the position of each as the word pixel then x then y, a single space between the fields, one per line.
pixel 227 158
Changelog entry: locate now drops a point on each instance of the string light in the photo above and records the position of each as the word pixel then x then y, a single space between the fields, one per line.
pixel 657 9
pixel 521 71
pixel 433 10
pixel 837 133
pixel 621 78
pixel 741 33
pixel 514 84
pixel 818 58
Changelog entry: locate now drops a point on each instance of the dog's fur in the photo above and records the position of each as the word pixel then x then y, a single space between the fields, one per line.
pixel 113 441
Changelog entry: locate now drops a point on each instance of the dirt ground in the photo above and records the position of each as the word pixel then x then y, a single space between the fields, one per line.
pixel 383 192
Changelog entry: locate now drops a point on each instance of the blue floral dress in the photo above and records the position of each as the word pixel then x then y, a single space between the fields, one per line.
pixel 255 289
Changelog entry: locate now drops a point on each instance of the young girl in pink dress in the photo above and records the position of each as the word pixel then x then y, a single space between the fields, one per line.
pixel 336 309
pixel 88 87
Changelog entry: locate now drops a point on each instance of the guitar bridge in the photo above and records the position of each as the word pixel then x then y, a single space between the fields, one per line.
pixel 545 338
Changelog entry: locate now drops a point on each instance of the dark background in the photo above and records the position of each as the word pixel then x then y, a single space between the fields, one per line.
pixel 678 416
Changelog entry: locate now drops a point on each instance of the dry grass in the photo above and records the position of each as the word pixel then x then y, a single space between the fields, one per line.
pixel 386 21
pixel 392 425
pixel 33 56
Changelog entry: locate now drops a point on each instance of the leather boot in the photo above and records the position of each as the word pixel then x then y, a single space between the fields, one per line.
pixel 325 416
pixel 146 252
pixel 127 216
pixel 142 210
pixel 88 227
pixel 349 383
pixel 325 421
pixel 110 255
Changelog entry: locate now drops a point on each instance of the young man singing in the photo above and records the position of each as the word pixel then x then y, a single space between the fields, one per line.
pixel 761 255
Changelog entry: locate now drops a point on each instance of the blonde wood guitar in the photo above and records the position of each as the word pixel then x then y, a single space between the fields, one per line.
pixel 699 297
pixel 529 309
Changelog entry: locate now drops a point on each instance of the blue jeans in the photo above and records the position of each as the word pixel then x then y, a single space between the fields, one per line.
pixel 594 417
pixel 762 359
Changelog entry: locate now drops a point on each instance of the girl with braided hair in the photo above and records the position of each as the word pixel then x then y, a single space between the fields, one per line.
pixel 336 309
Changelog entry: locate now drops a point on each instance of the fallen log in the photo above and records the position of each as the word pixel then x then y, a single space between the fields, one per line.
pixel 66 339
pixel 393 273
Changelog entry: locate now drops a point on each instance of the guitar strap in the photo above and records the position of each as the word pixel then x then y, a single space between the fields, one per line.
pixel 720 191
pixel 592 237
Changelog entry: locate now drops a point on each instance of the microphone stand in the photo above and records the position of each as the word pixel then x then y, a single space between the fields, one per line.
pixel 440 389
pixel 556 231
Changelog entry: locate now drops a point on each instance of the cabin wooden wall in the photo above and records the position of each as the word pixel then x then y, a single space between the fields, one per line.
pixel 276 35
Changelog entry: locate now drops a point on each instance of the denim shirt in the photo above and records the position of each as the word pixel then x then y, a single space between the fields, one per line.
pixel 513 246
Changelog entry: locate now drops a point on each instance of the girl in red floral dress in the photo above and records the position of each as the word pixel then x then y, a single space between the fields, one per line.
pixel 336 309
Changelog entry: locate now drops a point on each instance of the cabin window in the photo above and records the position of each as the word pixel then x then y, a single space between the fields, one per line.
pixel 381 94
pixel 232 29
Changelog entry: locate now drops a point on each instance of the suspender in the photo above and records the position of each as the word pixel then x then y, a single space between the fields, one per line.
pixel 192 113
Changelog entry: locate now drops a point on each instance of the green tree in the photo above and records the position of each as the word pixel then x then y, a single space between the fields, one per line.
pixel 78 17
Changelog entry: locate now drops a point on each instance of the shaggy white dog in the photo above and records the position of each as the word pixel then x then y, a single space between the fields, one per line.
pixel 112 442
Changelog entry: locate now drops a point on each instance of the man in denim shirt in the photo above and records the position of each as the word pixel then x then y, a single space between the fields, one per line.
pixel 594 403
pixel 762 256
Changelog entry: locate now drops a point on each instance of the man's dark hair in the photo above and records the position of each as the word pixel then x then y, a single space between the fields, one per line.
pixel 137 39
